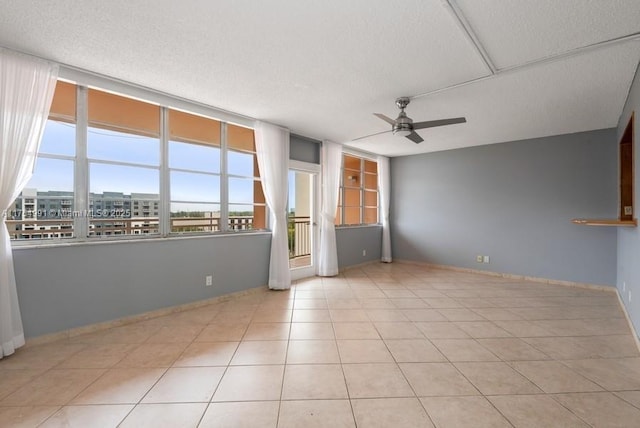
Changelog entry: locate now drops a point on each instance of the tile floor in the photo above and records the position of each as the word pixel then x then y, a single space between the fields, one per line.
pixel 382 346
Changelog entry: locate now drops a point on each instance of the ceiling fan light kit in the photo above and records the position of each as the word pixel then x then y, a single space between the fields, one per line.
pixel 403 125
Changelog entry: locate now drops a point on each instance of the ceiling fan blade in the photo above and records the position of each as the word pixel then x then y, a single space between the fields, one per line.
pixel 415 137
pixel 371 135
pixel 385 118
pixel 441 122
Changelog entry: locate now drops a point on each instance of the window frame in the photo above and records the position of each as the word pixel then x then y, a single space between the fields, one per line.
pixel 341 212
pixel 82 164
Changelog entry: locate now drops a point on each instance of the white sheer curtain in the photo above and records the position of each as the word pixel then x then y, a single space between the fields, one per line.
pixel 331 163
pixel 26 91
pixel 384 186
pixel 272 148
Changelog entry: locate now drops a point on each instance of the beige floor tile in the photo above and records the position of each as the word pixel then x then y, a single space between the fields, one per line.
pixel 386 315
pixel 40 357
pixel 355 330
pixel 309 294
pixel 348 315
pixel 377 304
pixel 390 412
pixel 496 314
pixel 617 346
pixel 250 383
pixel 273 315
pixel 409 303
pixel 460 314
pixel 523 328
pixel 267 331
pixel 312 352
pixel 25 417
pixel 343 303
pixel 311 315
pixel 133 333
pixel 256 414
pixel 429 293
pixel 497 378
pixel 153 355
pixel 316 414
pixel 461 412
pixel 54 387
pixel 554 377
pixel 310 303
pixel 560 348
pixel 512 349
pixel 88 416
pixel 631 397
pixel 376 381
pixel 176 334
pixel 369 293
pixel 200 354
pixel 364 351
pixel 463 350
pixel 219 332
pixel 535 411
pixel 260 352
pixel 423 315
pixel 398 330
pixel 442 303
pixel 441 330
pixel 11 380
pixel 98 356
pixel 482 329
pixel 414 351
pixel 165 415
pixel 314 381
pixel 231 317
pixel 610 373
pixel 120 386
pixel 436 379
pixel 601 409
pixel 185 385
pixel 312 331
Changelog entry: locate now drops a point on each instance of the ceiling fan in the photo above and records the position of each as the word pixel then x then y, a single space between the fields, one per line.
pixel 404 125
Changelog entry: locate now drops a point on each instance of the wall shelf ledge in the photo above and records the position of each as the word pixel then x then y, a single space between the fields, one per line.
pixel 605 222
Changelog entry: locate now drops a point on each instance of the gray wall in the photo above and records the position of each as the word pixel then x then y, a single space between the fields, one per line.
pixel 513 202
pixel 351 241
pixel 71 286
pixel 629 238
pixel 304 149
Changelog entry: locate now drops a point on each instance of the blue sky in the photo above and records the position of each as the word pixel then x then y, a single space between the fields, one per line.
pixel 57 174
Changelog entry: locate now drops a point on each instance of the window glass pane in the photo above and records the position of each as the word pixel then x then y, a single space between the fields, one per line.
pixel 370 215
pixel 370 166
pixel 59 138
pixel 371 181
pixel 351 162
pixel 371 199
pixel 351 215
pixel 63 105
pixel 194 157
pixel 352 197
pixel 240 164
pixel 187 186
pixel 351 178
pixel 195 217
pixel 44 209
pixel 109 145
pixel 191 128
pixel 124 179
pixel 241 190
pixel 241 217
pixel 117 113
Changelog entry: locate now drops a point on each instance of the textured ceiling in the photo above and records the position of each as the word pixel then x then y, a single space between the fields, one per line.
pixel 323 68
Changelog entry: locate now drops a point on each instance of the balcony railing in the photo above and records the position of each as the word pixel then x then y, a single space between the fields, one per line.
pixel 299 237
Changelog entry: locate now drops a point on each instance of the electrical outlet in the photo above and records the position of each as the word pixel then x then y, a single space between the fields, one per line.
pixel 628 210
pixel 485 259
pixel 364 253
pixel 208 280
pixel 479 259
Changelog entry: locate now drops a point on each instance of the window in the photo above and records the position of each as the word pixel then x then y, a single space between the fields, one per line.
pixel 116 172
pixel 123 150
pixel 358 199
pixel 247 208
pixel 194 165
pixel 46 202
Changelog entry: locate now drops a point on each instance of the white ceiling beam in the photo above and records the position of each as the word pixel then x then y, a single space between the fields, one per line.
pixel 537 62
pixel 470 34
